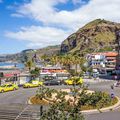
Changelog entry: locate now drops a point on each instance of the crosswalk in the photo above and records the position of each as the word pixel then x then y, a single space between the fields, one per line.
pixel 19 112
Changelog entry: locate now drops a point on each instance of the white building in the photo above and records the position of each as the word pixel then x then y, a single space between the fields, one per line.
pixel 96 60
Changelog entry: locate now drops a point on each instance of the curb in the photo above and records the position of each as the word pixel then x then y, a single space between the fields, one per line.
pixel 106 109
pixel 29 101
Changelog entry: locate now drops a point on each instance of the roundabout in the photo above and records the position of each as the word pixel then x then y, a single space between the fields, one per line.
pixel 71 98
pixel 20 98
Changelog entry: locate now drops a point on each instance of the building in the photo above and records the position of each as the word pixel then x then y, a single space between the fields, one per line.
pixel 110 63
pixel 56 72
pixel 96 60
pixel 9 76
pixel 103 61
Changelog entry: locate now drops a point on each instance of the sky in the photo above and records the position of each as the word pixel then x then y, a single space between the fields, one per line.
pixel 27 24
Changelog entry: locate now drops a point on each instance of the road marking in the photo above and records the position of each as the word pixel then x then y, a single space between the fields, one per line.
pixel 21 112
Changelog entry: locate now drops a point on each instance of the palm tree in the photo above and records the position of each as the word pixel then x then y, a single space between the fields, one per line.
pixel 75 61
pixel 82 62
pixel 67 61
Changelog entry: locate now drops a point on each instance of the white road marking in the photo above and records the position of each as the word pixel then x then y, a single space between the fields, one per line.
pixel 21 112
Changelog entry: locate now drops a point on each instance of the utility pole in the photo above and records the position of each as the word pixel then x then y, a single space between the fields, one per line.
pixel 118 51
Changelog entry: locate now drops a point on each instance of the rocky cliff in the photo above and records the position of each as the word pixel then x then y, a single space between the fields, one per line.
pixel 96 36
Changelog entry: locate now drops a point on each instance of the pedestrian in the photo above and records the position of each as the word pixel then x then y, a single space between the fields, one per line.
pixel 112 87
pixel 115 77
pixel 112 95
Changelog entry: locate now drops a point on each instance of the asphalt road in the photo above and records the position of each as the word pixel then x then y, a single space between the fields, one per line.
pixel 13 105
pixel 112 115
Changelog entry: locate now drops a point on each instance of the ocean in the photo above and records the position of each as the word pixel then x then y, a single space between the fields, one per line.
pixel 18 65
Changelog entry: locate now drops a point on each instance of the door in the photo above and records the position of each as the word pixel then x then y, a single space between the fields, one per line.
pixel 9 87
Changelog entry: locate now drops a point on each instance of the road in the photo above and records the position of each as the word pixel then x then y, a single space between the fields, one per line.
pixel 13 105
pixel 112 115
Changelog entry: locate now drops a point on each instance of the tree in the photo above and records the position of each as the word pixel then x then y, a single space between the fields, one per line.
pixel 35 73
pixel 65 60
pixel 54 59
pixel 29 64
pixel 75 61
pixel 61 109
pixel 45 93
pixel 45 58
pixel 57 112
pixel 26 58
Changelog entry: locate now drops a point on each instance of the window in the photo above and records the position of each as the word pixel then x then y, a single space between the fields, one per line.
pixel 3 86
pixel 9 85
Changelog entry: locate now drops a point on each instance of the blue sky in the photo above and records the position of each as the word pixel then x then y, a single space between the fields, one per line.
pixel 35 23
pixel 9 23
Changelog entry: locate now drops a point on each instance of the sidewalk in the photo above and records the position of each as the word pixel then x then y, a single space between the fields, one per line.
pixel 97 80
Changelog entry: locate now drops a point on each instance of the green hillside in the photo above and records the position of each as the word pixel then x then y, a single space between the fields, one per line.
pixel 98 35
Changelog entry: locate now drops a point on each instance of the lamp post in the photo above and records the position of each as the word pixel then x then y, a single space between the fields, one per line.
pixel 118 50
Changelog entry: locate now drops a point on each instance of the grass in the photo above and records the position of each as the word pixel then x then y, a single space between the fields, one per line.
pixel 105 37
pixel 89 107
pixel 94 23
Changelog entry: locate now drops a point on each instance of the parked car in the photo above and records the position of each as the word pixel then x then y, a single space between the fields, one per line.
pixel 53 82
pixel 33 83
pixel 8 87
pixel 71 81
pixel 48 78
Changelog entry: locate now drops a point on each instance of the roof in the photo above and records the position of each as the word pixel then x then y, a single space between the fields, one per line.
pixel 111 54
pixel 51 67
pixel 107 54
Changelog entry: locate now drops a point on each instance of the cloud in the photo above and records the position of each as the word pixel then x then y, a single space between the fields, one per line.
pixel 78 2
pixel 16 15
pixel 47 13
pixel 38 36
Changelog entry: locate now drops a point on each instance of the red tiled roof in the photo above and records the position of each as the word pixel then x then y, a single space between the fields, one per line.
pixel 111 54
pixel 11 74
pixel 107 54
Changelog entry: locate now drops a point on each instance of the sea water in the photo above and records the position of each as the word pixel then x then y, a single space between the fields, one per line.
pixel 18 65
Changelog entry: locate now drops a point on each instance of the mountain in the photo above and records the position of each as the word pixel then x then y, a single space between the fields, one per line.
pixel 28 50
pixel 96 36
pixel 29 53
pixel 50 50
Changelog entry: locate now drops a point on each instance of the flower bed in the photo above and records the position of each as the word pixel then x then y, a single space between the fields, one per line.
pixel 88 101
pixel 36 101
